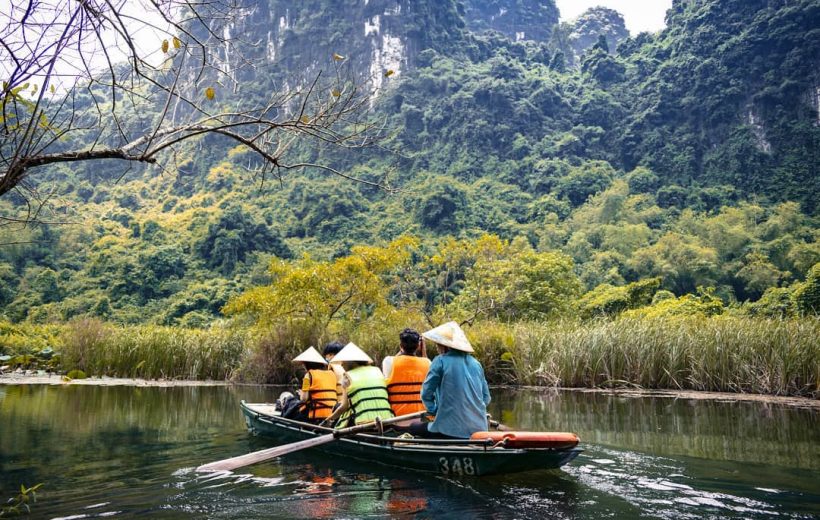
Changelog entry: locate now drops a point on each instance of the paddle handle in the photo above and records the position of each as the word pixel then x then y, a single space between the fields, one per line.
pixel 368 425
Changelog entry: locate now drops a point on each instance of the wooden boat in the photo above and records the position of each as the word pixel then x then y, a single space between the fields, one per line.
pixel 468 457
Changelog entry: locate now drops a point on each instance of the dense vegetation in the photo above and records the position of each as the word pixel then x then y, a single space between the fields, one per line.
pixel 658 175
pixel 525 314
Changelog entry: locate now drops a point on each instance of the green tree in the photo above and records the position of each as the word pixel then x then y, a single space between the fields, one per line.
pixel 606 300
pixel 516 282
pixel 758 274
pixel 682 261
pixel 233 236
pixel 807 294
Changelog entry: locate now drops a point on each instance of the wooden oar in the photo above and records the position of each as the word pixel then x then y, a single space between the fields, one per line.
pixel 497 425
pixel 271 453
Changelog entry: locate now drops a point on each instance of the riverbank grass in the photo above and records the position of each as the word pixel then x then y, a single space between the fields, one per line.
pixel 720 353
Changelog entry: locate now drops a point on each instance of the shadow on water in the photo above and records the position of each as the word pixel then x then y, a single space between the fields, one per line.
pixel 130 451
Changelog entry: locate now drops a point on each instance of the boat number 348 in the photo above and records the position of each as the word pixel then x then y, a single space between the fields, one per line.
pixel 456 465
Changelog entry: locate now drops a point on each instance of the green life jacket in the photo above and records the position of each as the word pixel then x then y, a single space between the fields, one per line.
pixel 367 394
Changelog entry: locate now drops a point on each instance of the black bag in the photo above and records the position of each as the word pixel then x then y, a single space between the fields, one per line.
pixel 293 409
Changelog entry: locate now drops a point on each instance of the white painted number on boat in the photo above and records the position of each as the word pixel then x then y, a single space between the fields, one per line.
pixel 456 466
pixel 469 469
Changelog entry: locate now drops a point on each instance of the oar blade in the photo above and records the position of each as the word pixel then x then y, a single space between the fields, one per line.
pixel 261 456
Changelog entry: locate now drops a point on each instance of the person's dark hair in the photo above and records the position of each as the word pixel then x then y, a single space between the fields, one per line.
pixel 334 347
pixel 409 340
pixel 315 366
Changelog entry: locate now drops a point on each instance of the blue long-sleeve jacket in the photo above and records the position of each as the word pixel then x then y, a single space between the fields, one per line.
pixel 456 392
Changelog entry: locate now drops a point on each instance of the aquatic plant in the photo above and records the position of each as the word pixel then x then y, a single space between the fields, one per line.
pixel 152 352
pixel 19 504
pixel 728 352
pixel 723 353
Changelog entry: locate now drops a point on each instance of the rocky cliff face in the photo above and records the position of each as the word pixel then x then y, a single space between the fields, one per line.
pixel 576 36
pixel 533 20
pixel 280 37
pixel 286 37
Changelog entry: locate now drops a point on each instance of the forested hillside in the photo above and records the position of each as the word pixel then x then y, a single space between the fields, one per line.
pixel 689 156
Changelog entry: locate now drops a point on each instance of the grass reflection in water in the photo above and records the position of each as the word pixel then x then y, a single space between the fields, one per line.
pixel 131 451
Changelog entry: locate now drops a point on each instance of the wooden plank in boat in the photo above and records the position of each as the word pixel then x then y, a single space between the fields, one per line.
pixel 263 408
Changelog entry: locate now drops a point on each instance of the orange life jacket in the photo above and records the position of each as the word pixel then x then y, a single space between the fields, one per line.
pixel 404 384
pixel 321 394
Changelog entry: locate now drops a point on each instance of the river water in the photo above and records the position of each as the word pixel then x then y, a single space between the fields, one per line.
pixel 129 452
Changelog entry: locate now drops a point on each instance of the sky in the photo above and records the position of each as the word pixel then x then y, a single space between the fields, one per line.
pixel 639 15
pixel 139 15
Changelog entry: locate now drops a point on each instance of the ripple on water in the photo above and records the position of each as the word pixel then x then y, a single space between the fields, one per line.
pixel 653 484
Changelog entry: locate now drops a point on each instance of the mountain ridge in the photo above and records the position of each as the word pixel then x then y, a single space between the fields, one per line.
pixel 694 143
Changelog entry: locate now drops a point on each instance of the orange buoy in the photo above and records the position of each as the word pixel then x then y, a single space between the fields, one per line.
pixel 551 440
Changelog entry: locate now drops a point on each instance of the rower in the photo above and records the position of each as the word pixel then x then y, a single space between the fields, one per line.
pixel 364 393
pixel 404 374
pixel 455 390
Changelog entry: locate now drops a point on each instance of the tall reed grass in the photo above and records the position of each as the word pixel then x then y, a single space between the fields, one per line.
pixel 729 354
pixel 152 352
pixel 722 353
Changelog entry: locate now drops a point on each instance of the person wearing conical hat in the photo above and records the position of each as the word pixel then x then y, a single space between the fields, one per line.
pixel 317 396
pixel 455 390
pixel 364 392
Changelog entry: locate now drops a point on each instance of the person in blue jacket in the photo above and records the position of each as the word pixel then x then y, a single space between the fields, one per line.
pixel 455 390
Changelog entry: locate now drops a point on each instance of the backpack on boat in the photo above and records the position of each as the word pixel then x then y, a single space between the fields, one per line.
pixel 292 409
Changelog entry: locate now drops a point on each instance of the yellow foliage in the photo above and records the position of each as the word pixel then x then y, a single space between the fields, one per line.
pixel 220 173
pixel 177 43
pixel 107 242
pixel 209 93
pixel 382 259
pixel 165 46
pixel 237 151
pixel 316 292
pixel 452 252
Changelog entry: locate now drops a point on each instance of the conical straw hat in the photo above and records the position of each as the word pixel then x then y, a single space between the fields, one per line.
pixel 351 352
pixel 311 355
pixel 449 335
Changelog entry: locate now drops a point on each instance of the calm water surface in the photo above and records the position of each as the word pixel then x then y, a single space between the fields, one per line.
pixel 129 452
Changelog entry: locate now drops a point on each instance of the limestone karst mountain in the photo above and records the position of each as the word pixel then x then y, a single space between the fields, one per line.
pixel 695 147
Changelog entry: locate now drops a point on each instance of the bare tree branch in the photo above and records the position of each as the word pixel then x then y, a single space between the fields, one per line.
pixel 79 86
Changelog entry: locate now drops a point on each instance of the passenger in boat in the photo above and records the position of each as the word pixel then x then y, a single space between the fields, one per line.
pixel 364 392
pixel 405 372
pixel 317 396
pixel 455 390
pixel 330 350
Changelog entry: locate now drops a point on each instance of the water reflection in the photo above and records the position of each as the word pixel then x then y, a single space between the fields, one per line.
pixel 127 451
pixel 728 431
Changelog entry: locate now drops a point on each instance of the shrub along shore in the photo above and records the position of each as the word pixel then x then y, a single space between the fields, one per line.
pixel 720 353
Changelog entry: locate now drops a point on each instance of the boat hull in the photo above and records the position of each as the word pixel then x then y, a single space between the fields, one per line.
pixel 446 459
